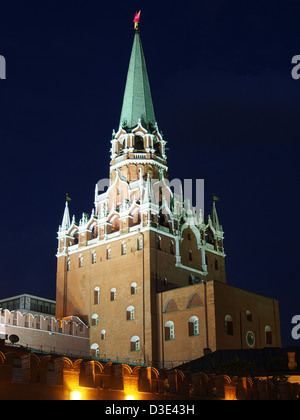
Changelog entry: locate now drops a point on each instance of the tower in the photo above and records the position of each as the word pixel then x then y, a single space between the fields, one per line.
pixel 118 267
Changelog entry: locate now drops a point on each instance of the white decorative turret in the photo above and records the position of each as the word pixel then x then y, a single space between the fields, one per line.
pixel 66 218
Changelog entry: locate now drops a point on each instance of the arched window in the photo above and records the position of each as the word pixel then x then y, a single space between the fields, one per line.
pixel 172 248
pixel 94 319
pixel 209 237
pixel 133 288
pixel 123 248
pixel 113 294
pixel 190 255
pixel 134 343
pixel 158 243
pixel 249 316
pixel 193 326
pixel 68 264
pixel 268 335
pixel 108 253
pixel 80 260
pixel 95 350
pixel 228 325
pixel 103 335
pixel 138 143
pixel 130 313
pixel 169 331
pixel 96 295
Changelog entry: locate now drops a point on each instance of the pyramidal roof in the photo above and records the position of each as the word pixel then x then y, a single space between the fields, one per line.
pixel 137 101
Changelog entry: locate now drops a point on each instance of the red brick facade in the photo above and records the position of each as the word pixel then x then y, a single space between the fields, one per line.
pixel 145 270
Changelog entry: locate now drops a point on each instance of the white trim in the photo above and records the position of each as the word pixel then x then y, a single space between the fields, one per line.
pixel 191 269
pixel 45 331
pixel 27 295
pixel 134 230
pixel 137 161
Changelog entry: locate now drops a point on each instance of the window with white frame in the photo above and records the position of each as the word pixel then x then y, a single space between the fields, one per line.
pixel 96 295
pixel 94 320
pixel 80 260
pixel 133 288
pixel 135 343
pixel 95 350
pixel 130 313
pixel 140 244
pixel 193 326
pixel 113 294
pixel 169 331
pixel 103 335
pixel 108 253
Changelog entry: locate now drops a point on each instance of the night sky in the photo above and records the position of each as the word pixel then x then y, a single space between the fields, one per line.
pixel 224 98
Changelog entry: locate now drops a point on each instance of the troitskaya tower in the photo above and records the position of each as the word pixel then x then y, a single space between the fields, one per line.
pixel 120 267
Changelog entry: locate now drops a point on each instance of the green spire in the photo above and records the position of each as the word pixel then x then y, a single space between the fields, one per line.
pixel 137 101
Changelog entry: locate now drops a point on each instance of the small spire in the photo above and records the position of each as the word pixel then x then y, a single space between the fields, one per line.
pixel 66 218
pixel 214 216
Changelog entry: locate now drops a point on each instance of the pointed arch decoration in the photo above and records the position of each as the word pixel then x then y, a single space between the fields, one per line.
pixel 170 306
pixel 194 300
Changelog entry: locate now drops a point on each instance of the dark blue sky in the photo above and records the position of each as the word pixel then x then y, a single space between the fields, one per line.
pixel 223 94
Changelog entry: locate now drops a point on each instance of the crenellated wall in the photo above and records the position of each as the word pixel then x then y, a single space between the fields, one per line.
pixel 50 377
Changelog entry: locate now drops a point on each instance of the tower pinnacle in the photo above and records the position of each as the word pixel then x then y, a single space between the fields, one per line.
pixel 66 218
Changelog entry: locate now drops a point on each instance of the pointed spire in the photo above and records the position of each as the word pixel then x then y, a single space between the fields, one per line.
pixel 137 101
pixel 214 217
pixel 66 218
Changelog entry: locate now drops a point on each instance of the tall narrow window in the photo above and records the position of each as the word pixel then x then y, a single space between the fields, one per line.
pixel 228 325
pixel 80 260
pixel 68 264
pixel 216 264
pixel 130 313
pixel 94 257
pixel 249 316
pixel 169 331
pixel 268 335
pixel 94 320
pixel 135 343
pixel 193 326
pixel 123 248
pixel 190 256
pixel 172 248
pixel 103 335
pixel 113 294
pixel 108 253
pixel 133 288
pixel 96 295
pixel 95 350
pixel 140 244
pixel 158 244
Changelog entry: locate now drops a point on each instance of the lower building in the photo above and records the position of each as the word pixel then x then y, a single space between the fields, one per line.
pixel 45 333
pixel 212 316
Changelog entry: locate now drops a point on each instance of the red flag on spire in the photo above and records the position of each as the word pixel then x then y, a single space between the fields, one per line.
pixel 136 19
